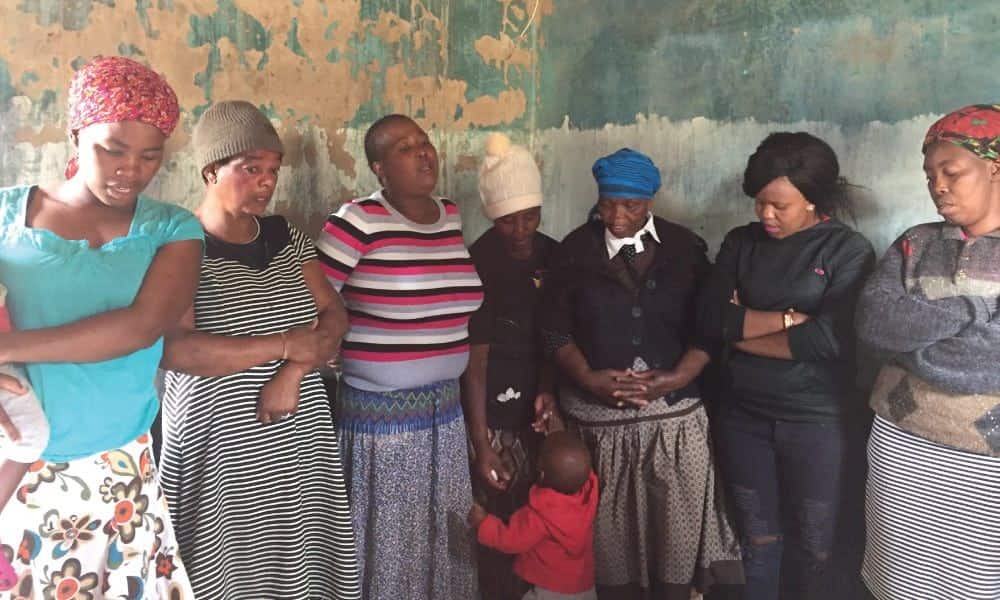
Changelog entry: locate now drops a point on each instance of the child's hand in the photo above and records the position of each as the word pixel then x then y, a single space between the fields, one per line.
pixel 14 386
pixel 477 514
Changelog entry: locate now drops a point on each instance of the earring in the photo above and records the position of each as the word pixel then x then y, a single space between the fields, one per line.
pixel 118 172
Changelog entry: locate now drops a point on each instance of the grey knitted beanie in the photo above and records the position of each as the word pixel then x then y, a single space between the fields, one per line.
pixel 229 128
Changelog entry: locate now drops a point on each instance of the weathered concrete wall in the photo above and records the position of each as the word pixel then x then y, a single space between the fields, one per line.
pixel 321 70
pixel 695 83
pixel 698 83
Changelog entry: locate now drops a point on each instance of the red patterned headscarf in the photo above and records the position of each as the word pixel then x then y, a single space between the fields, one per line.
pixel 975 128
pixel 114 89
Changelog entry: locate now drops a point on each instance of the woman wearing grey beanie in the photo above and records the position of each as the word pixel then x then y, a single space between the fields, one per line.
pixel 251 463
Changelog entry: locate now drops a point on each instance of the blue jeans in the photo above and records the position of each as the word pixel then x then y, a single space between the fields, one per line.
pixel 785 482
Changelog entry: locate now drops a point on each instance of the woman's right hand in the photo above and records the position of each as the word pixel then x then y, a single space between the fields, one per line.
pixel 490 468
pixel 13 385
pixel 279 398
pixel 616 388
pixel 309 345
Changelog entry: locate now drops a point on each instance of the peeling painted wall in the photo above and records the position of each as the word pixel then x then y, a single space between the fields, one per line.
pixel 695 83
pixel 322 71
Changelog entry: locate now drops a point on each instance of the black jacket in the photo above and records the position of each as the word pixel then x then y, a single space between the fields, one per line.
pixel 818 271
pixel 613 323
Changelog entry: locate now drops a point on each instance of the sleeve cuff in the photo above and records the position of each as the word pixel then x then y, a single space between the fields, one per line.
pixel 798 342
pixel 733 316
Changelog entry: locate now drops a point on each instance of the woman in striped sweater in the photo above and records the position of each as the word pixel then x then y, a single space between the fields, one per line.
pixel 251 466
pixel 399 261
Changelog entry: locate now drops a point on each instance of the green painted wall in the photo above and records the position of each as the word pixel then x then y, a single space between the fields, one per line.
pixel 842 61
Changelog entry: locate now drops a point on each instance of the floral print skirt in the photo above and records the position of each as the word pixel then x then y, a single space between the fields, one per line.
pixel 93 528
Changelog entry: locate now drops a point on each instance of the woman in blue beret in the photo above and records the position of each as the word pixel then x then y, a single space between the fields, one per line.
pixel 619 321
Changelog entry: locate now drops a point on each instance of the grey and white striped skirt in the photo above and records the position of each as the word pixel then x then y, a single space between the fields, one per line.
pixel 933 516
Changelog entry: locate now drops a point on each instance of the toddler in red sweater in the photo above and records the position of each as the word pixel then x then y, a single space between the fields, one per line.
pixel 552 535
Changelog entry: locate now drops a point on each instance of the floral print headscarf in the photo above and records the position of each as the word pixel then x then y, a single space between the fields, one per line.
pixel 113 89
pixel 975 128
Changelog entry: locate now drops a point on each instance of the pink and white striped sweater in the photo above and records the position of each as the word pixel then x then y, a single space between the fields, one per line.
pixel 409 289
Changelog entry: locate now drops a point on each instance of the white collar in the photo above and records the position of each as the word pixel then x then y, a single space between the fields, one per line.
pixel 614 244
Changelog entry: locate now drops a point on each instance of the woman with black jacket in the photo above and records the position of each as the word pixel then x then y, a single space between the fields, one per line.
pixel 781 298
pixel 619 319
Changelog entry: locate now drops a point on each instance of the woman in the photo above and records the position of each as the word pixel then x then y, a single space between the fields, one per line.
pixel 251 465
pixel 934 453
pixel 398 258
pixel 507 388
pixel 782 296
pixel 619 318
pixel 96 273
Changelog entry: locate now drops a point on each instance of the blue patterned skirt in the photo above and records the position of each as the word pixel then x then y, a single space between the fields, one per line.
pixel 408 479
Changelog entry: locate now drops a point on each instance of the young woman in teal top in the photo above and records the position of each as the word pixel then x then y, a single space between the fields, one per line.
pixel 96 273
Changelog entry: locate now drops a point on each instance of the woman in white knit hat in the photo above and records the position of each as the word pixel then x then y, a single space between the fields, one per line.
pixel 507 388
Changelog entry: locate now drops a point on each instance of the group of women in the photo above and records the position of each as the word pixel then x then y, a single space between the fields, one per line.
pixel 719 402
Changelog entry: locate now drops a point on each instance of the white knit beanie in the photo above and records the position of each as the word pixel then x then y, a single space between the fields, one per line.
pixel 509 180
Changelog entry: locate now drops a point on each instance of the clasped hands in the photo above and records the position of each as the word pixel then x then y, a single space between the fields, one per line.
pixel 634 389
pixel 306 348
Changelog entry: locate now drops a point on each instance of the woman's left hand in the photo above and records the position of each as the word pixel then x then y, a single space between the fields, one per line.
pixel 279 398
pixel 660 382
pixel 547 418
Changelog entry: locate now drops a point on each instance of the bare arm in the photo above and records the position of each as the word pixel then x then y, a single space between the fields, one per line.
pixel 188 350
pixel 167 290
pixel 280 396
pixel 333 321
pixel 547 416
pixel 210 355
pixel 488 466
pixel 760 323
pixel 774 345
pixel 474 394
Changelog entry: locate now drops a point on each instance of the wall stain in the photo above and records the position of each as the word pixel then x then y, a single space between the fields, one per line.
pixel 321 70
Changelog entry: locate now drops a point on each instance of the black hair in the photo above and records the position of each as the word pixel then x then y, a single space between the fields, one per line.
pixel 564 462
pixel 372 150
pixel 808 162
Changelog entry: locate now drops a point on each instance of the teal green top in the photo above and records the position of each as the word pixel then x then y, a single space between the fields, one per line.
pixel 51 281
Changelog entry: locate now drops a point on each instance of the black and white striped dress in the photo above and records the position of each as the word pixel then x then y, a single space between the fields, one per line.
pixel 933 517
pixel 260 511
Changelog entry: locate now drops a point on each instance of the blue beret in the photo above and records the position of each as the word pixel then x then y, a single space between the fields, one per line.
pixel 626 174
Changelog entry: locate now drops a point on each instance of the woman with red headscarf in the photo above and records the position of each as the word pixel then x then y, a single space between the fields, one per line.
pixel 931 309
pixel 96 272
